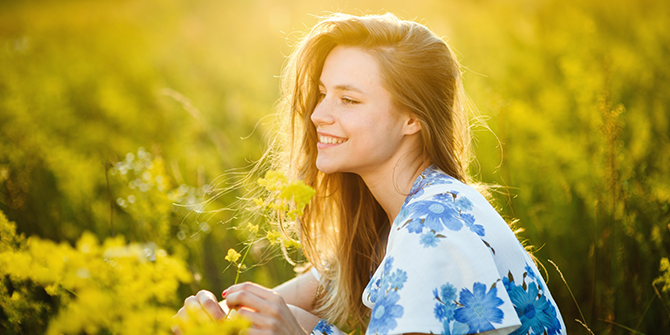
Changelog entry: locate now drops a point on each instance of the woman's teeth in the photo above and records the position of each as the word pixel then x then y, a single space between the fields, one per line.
pixel 331 140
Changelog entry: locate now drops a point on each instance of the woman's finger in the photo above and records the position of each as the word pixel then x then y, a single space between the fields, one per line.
pixel 181 315
pixel 180 320
pixel 210 305
pixel 259 320
pixel 260 291
pixel 175 327
pixel 194 311
pixel 244 298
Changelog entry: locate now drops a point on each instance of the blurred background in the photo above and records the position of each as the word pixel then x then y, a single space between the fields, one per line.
pixel 175 93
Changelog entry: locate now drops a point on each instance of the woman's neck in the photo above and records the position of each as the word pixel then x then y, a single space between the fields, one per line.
pixel 390 185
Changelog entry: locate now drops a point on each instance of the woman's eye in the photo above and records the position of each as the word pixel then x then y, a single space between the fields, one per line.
pixel 348 101
pixel 321 96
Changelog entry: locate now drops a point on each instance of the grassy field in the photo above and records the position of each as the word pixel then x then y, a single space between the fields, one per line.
pixel 176 93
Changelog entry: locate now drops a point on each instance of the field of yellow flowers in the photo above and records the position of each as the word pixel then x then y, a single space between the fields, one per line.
pixel 127 128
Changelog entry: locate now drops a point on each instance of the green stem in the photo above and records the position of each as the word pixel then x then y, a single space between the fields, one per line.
pixel 622 326
pixel 239 265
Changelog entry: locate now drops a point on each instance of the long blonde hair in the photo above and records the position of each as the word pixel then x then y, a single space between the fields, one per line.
pixel 341 226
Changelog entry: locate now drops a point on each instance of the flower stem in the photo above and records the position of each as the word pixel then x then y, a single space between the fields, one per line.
pixel 239 265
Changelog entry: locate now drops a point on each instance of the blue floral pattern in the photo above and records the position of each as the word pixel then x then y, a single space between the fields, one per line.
pixel 441 273
pixel 323 328
pixel 429 239
pixel 437 215
pixel 429 177
pixel 536 313
pixel 479 309
pixel 445 210
pixel 385 297
pixel 474 311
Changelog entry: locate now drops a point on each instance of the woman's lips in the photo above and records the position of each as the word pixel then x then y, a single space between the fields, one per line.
pixel 328 140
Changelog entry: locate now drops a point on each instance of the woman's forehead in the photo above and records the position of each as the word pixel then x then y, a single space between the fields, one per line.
pixel 351 69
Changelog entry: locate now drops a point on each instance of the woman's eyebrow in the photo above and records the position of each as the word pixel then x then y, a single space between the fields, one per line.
pixel 344 87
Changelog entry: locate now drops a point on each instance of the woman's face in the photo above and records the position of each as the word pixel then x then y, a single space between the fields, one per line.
pixel 359 130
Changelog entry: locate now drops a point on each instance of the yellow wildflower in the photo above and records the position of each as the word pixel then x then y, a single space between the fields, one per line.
pixel 232 255
pixel 291 243
pixel 252 228
pixel 273 237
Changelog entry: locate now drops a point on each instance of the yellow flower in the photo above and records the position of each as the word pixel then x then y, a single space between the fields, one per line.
pixel 232 255
pixel 252 228
pixel 273 237
pixel 290 243
pixel 273 181
pixel 91 284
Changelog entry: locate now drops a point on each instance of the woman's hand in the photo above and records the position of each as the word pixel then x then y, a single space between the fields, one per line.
pixel 267 311
pixel 204 307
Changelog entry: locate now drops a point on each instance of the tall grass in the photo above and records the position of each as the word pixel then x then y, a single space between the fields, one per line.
pixel 576 91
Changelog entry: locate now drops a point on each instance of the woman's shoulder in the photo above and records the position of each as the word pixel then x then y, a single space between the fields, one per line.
pixel 437 195
pixel 441 207
pixel 435 184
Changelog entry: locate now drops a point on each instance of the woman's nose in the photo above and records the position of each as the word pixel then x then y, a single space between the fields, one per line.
pixel 323 113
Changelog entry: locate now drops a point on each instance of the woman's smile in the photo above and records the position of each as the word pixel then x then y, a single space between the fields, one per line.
pixel 327 140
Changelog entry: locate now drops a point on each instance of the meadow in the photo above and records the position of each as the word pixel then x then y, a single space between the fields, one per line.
pixel 135 118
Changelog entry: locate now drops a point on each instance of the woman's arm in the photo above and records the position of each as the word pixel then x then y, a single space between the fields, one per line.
pixel 299 291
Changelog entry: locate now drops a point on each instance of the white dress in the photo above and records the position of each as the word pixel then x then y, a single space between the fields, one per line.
pixel 453 266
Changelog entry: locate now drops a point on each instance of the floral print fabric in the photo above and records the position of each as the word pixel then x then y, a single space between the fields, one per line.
pixel 325 328
pixel 453 266
pixel 450 268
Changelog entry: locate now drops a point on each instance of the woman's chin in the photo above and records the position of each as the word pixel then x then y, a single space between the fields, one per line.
pixel 326 168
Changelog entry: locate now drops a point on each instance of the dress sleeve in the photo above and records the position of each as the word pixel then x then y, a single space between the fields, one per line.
pixel 439 275
pixel 326 328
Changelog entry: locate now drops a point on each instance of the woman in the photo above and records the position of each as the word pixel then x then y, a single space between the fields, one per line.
pixel 373 109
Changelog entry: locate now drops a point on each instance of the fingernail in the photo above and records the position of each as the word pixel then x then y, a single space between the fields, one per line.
pixel 223 295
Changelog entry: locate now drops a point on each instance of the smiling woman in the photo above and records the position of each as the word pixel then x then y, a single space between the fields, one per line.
pixel 373 111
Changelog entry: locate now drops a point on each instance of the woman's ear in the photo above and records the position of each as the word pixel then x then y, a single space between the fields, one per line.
pixel 412 125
